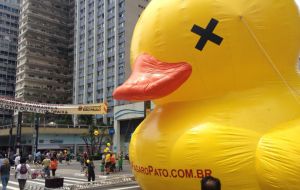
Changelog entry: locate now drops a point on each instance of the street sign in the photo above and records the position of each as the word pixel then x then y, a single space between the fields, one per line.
pixel 111 131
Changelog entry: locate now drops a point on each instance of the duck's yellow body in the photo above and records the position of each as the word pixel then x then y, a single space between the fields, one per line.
pixel 223 75
pixel 250 144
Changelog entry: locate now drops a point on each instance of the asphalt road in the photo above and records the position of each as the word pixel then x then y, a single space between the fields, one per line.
pixel 72 175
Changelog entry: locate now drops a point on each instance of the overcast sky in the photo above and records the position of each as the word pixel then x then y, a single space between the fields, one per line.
pixel 298 2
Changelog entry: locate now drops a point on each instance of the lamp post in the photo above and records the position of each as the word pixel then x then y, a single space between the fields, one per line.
pixel 36 127
pixel 8 40
pixel 19 133
pixel 10 137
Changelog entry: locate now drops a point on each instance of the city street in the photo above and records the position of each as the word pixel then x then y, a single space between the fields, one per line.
pixel 72 175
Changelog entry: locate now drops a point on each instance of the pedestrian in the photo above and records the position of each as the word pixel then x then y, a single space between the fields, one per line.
pixel 1 159
pixel 82 163
pixel 22 173
pixel 210 183
pixel 17 160
pixel 38 157
pixel 107 163
pixel 53 165
pixel 102 165
pixel 91 170
pixel 11 158
pixel 46 164
pixel 112 163
pixel 55 155
pixel 120 162
pixel 68 158
pixel 5 172
pixel 30 159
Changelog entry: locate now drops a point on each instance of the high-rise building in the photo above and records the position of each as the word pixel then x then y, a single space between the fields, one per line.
pixel 9 24
pixel 45 55
pixel 103 31
pixel 44 65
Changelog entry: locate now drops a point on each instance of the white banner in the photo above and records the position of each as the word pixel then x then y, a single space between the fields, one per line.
pixel 80 109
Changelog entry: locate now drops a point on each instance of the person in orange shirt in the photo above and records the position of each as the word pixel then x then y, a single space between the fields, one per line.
pixel 53 165
pixel 113 163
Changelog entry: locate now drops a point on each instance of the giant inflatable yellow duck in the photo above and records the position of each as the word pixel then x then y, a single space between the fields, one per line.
pixel 223 76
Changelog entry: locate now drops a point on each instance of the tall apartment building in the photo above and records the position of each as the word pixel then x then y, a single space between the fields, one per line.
pixel 103 31
pixel 9 24
pixel 44 72
pixel 45 55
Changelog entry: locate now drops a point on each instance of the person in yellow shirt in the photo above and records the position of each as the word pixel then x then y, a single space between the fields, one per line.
pixel 46 164
pixel 107 162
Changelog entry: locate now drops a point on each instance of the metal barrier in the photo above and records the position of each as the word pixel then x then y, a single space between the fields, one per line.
pixel 95 185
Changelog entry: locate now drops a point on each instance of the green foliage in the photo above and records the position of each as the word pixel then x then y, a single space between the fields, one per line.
pixel 64 119
pixel 94 143
pixel 97 156
pixel 86 119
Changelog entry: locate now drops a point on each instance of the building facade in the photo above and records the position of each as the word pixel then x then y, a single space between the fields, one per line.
pixel 102 36
pixel 51 137
pixel 9 24
pixel 45 58
pixel 44 67
pixel 103 31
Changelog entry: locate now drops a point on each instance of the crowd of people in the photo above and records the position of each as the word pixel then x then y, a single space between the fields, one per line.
pixel 60 156
pixel 23 171
pixel 108 164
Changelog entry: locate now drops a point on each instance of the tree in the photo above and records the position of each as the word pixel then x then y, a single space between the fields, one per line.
pixel 94 139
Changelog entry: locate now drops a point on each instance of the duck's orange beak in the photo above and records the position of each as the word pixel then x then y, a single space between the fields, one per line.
pixel 152 79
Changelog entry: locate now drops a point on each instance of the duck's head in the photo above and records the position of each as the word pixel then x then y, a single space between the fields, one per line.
pixel 185 50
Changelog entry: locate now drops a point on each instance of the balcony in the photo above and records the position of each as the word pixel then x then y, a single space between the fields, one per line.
pixel 49 10
pixel 43 81
pixel 42 57
pixel 46 33
pixel 46 97
pixel 48 15
pixel 47 73
pixel 43 89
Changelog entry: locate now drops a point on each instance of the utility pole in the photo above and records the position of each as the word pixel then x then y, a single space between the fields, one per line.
pixel 10 137
pixel 36 127
pixel 19 133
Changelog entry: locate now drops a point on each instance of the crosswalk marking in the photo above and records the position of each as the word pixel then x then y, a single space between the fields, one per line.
pixel 13 182
pixel 78 179
pixel 10 187
pixel 29 181
pixel 73 181
pixel 123 188
pixel 14 185
pixel 42 182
